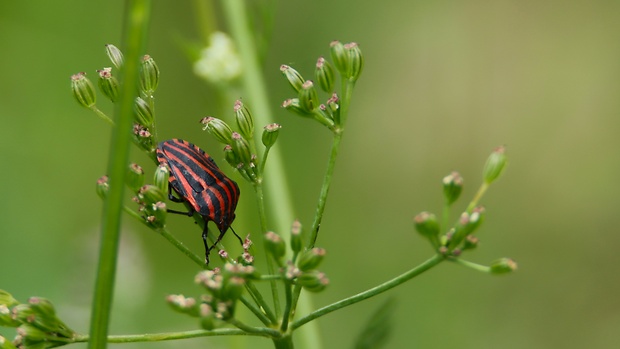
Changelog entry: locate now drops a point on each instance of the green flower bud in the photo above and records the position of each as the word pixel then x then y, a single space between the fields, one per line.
pixel 108 84
pixel 207 317
pixel 233 288
pixel 294 78
pixel 296 243
pixel 103 187
pixel 83 90
pixel 42 306
pixel 218 129
pixel 6 320
pixel 270 134
pixel 495 165
pixel 308 97
pixel 144 114
pixel 324 74
pixel 470 243
pixel 115 55
pixel 149 75
pixel 452 187
pixel 244 119
pixel 310 259
pixel 313 280
pixel 242 148
pixel 340 57
pixel 231 157
pixel 135 177
pixel 294 105
pixel 503 266
pixel 7 299
pixel 150 194
pixel 156 214
pixel 161 178
pixel 184 305
pixel 467 224
pixel 427 225
pixel 275 245
pixel 355 61
pixel 33 337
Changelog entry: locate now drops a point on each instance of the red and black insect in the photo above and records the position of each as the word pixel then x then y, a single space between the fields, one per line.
pixel 197 180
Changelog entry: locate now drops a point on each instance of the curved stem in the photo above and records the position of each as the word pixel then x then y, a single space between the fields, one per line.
pixel 428 264
pixel 166 336
pixel 136 20
pixel 472 265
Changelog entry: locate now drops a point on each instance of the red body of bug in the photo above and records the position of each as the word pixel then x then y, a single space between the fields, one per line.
pixel 195 177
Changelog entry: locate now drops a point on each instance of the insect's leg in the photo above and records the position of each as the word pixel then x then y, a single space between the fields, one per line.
pixel 189 213
pixel 238 237
pixel 172 197
pixel 205 233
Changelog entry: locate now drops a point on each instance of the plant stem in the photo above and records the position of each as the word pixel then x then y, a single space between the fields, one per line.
pixel 102 115
pixel 166 336
pixel 428 264
pixel 472 265
pixel 181 247
pixel 136 20
pixel 479 194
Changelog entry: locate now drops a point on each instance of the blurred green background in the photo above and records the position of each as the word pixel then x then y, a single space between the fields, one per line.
pixel 444 83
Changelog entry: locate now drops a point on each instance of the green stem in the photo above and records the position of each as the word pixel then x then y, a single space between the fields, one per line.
pixel 428 264
pixel 479 194
pixel 256 311
pixel 136 20
pixel 259 331
pixel 472 265
pixel 102 115
pixel 258 187
pixel 181 247
pixel 166 336
pixel 327 180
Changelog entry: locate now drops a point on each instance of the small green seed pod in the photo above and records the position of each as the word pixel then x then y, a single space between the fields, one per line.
pixel 270 134
pixel 324 74
pixel 115 55
pixel 313 281
pixel 135 177
pixel 503 266
pixel 218 129
pixel 495 165
pixel 308 97
pixel 83 90
pixel 355 61
pixel 452 187
pixel 244 119
pixel 108 84
pixel 340 57
pixel 149 75
pixel 311 259
pixel 143 112
pixel 294 78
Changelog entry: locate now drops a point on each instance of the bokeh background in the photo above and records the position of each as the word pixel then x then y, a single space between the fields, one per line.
pixel 444 83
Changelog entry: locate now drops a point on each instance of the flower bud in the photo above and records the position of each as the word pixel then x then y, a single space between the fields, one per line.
pixel 231 157
pixel 324 75
pixel 308 97
pixel 233 288
pixel 151 194
pixel 470 243
pixel 294 105
pixel 184 305
pixel 310 259
pixel 7 299
pixel 103 187
pixel 427 225
pixel 149 75
pixel 218 129
pixel 313 280
pixel 296 242
pixel 340 57
pixel 242 148
pixel 83 90
pixel 355 61
pixel 503 266
pixel 108 84
pixel 6 320
pixel 207 317
pixel 161 178
pixel 115 55
pixel 143 112
pixel 135 177
pixel 42 306
pixel 156 214
pixel 467 224
pixel 244 119
pixel 275 245
pixel 495 165
pixel 270 134
pixel 452 187
pixel 294 78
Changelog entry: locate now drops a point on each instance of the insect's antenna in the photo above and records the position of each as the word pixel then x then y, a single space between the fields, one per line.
pixel 238 237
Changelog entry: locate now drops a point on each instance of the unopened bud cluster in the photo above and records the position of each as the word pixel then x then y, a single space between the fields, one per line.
pixel 109 85
pixel 36 322
pixel 239 147
pixel 348 62
pixel 460 237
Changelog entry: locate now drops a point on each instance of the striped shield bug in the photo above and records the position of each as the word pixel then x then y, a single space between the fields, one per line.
pixel 197 180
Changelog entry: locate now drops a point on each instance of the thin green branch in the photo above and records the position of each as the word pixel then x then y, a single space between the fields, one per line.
pixel 479 194
pixel 259 331
pixel 166 336
pixel 472 265
pixel 136 21
pixel 428 264
pixel 102 115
